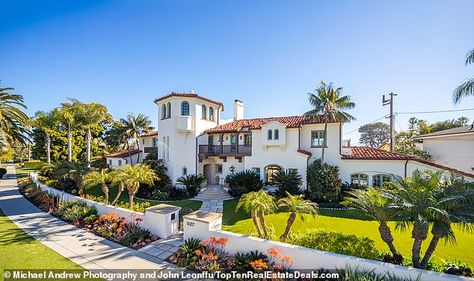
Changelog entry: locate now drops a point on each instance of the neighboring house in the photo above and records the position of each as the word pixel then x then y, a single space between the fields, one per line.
pixel 120 159
pixel 148 143
pixel 194 140
pixel 453 147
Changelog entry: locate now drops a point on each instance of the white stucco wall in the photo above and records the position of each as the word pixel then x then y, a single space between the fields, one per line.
pixel 146 141
pixel 113 162
pixel 452 151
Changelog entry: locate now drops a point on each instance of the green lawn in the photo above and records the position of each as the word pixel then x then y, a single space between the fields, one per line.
pixel 23 172
pixel 20 250
pixel 329 220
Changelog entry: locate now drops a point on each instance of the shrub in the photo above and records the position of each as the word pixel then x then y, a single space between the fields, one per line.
pixel 33 165
pixel 287 181
pixel 137 207
pixel 324 182
pixel 162 185
pixel 3 171
pixel 152 156
pixel 336 242
pixel 243 182
pixel 457 268
pixel 186 255
pixel 73 211
pixel 243 262
pixel 192 183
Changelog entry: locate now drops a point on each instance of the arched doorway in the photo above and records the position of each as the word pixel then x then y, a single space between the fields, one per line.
pixel 208 173
pixel 270 171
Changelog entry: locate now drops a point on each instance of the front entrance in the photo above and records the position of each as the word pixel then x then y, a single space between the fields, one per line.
pixel 209 173
pixel 270 171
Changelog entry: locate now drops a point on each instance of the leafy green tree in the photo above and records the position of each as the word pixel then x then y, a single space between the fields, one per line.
pixel 68 116
pixel 136 175
pixel 74 171
pixel 102 178
pixel 295 204
pixel 374 134
pixel 377 206
pixel 323 181
pixel 13 121
pixel 287 182
pixel 48 124
pixel 467 88
pixel 329 103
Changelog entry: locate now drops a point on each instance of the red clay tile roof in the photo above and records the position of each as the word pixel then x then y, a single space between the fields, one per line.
pixel 257 123
pixel 189 95
pixel 123 154
pixel 305 152
pixel 150 134
pixel 371 153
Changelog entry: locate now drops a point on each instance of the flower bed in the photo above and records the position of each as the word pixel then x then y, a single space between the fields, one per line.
pixel 109 226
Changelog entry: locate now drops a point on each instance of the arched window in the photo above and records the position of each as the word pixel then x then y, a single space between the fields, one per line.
pixel 204 112
pixel 276 134
pixel 211 113
pixel 360 179
pixel 270 172
pixel 163 111
pixel 168 110
pixel 185 108
pixel 269 135
pixel 378 180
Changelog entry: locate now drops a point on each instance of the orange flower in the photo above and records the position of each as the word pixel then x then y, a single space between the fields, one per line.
pixel 204 243
pixel 288 260
pixel 222 241
pixel 258 264
pixel 198 252
pixel 274 252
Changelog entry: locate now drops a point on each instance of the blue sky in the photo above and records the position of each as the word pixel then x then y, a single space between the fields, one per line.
pixel 269 54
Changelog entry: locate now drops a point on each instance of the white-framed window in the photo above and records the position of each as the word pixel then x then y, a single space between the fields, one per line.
pixel 269 134
pixel 163 111
pixel 185 171
pixel 360 179
pixel 155 141
pixel 204 112
pixel 293 171
pixel 120 162
pixel 256 170
pixel 185 108
pixel 318 138
pixel 276 134
pixel 211 114
pixel 143 141
pixel 110 162
pixel 218 168
pixel 247 139
pixel 168 110
pixel 378 180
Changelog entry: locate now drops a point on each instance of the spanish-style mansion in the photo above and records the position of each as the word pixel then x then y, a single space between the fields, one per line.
pixel 192 138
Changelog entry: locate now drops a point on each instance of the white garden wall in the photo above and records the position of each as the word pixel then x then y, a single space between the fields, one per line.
pixel 161 220
pixel 202 225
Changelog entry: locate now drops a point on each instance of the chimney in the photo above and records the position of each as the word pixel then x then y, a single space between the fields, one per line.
pixel 238 110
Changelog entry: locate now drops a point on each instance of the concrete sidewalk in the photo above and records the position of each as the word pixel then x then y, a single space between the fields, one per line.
pixel 82 247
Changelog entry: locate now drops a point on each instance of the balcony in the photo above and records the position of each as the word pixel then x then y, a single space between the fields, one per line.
pixel 225 150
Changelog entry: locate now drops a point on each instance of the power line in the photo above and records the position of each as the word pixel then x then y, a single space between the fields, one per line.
pixel 434 111
pixel 366 124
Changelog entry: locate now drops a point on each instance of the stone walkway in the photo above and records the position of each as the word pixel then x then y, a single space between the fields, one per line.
pixel 164 248
pixel 212 198
pixel 82 247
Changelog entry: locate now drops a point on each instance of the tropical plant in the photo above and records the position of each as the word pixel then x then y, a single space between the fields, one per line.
pixel 377 206
pixel 118 177
pixel 287 182
pixel 467 88
pixel 47 123
pixel 132 127
pixel 192 183
pixel 136 175
pixel 91 115
pixel 102 178
pixel 258 204
pixel 68 115
pixel 422 201
pixel 13 121
pixel 295 205
pixel 73 171
pixel 329 103
pixel 324 182
pixel 243 182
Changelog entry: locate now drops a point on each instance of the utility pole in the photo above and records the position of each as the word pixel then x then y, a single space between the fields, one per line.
pixel 392 118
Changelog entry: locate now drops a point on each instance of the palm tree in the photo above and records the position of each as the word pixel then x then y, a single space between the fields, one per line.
pixel 13 121
pixel 68 115
pixel 295 204
pixel 136 175
pixel 47 123
pixel 89 116
pixel 467 88
pixel 258 204
pixel 329 104
pixel 118 180
pixel 134 126
pixel 74 171
pixel 374 204
pixel 102 178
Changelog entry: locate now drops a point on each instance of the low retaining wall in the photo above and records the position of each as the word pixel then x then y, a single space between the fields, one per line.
pixel 161 220
pixel 202 225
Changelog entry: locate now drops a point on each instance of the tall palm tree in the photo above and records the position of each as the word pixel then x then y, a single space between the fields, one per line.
pixel 248 202
pixel 467 88
pixel 134 126
pixel 295 204
pixel 136 175
pixel 102 178
pixel 89 116
pixel 118 181
pixel 329 104
pixel 47 122
pixel 13 121
pixel 258 204
pixel 377 206
pixel 68 115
